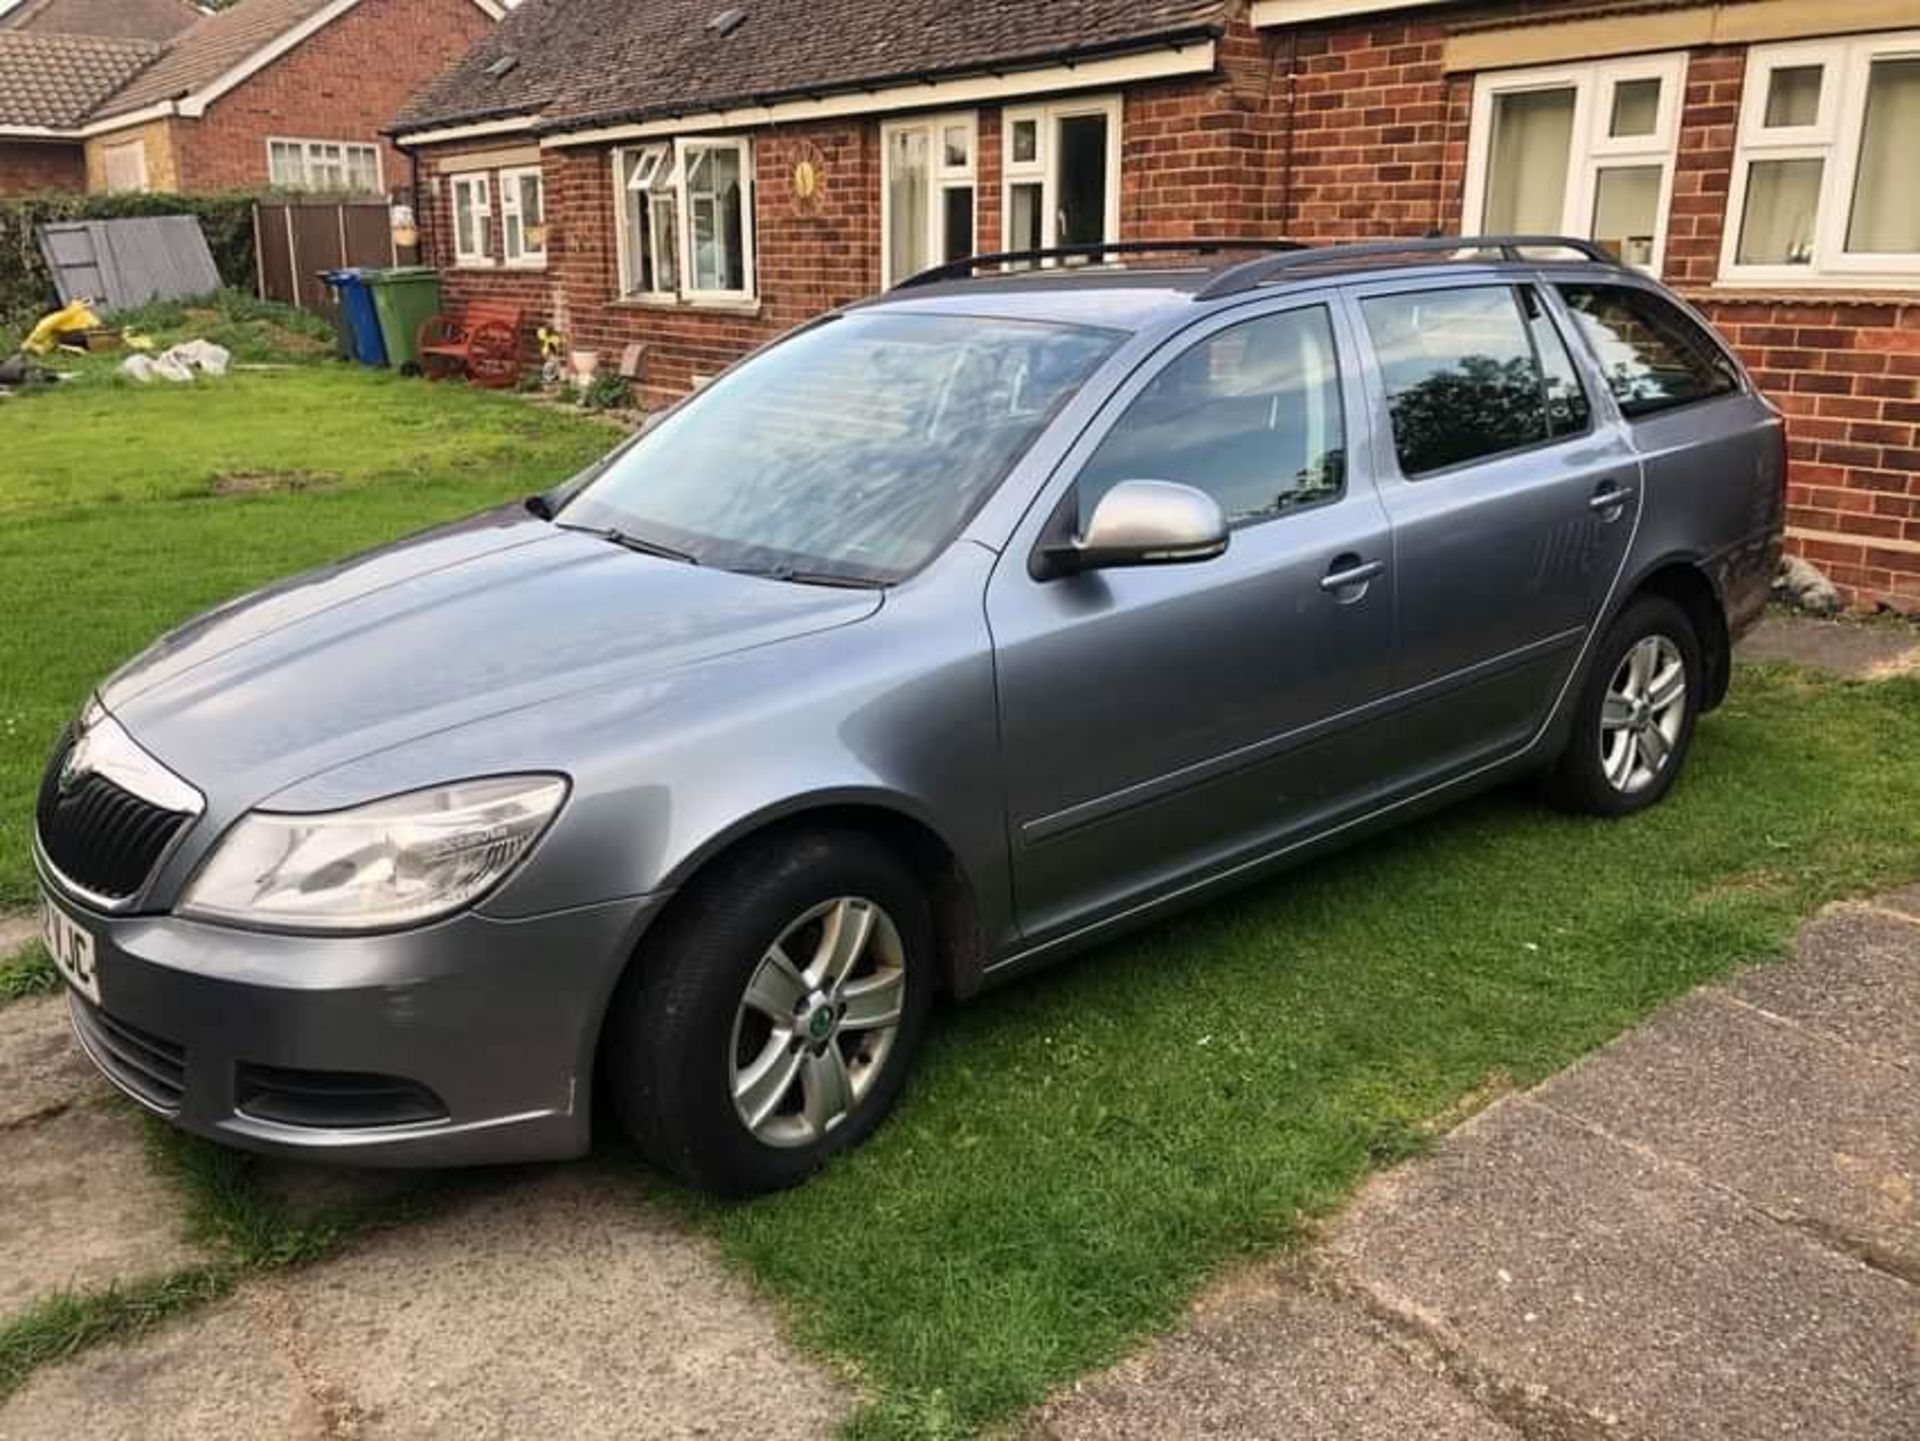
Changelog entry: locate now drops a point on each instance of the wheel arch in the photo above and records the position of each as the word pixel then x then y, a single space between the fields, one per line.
pixel 1689 584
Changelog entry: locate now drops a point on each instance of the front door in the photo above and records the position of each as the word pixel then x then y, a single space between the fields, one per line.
pixel 1162 724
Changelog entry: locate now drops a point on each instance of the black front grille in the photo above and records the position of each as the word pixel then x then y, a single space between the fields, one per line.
pixel 99 836
pixel 334 1099
pixel 152 1068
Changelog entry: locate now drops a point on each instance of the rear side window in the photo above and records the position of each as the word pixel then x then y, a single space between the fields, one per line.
pixel 1653 355
pixel 1470 373
pixel 1251 415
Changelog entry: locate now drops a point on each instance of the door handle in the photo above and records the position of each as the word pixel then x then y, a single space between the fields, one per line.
pixel 1351 571
pixel 1609 497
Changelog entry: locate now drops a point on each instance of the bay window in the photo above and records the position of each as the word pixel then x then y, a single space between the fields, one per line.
pixel 1584 150
pixel 1061 167
pixel 685 220
pixel 523 218
pixel 927 203
pixel 472 220
pixel 1824 187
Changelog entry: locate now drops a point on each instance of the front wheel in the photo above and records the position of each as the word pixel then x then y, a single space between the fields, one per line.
pixel 771 1023
pixel 1633 720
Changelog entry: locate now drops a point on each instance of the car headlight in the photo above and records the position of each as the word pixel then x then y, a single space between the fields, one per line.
pixel 395 862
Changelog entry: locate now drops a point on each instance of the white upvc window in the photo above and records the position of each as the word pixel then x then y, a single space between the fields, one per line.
pixel 685 220
pixel 126 167
pixel 333 166
pixel 1826 184
pixel 1581 150
pixel 1060 167
pixel 928 208
pixel 523 217
pixel 472 219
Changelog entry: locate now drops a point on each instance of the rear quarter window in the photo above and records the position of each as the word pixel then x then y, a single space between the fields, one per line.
pixel 1654 356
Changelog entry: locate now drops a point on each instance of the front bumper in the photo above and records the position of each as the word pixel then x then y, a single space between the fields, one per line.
pixel 468 1041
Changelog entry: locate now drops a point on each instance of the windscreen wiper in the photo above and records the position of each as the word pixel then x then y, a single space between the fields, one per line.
pixel 635 543
pixel 818 577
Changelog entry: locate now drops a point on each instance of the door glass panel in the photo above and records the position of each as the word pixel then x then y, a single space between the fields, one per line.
pixel 1251 415
pixel 909 195
pixel 1462 381
pixel 1626 207
pixel 1776 224
pixel 1653 356
pixel 1023 217
pixel 1568 410
pixel 1636 108
pixel 1793 96
pixel 1527 162
pixel 1082 185
pixel 1886 191
pixel 1026 141
pixel 957 223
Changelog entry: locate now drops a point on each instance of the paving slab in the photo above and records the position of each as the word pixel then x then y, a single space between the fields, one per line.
pixel 1270 1358
pixel 1855 974
pixel 1851 649
pixel 41 1067
pixel 1811 1129
pixel 81 1205
pixel 1628 1292
pixel 565 1305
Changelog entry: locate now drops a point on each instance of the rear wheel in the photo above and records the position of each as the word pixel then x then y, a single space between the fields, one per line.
pixel 771 1023
pixel 1633 721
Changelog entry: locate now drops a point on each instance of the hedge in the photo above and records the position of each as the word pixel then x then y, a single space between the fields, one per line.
pixel 26 287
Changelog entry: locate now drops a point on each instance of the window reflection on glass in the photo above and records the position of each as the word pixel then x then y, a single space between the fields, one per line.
pixel 1626 208
pixel 855 448
pixel 1636 108
pixel 1568 409
pixel 1251 415
pixel 1653 356
pixel 1885 218
pixel 1776 223
pixel 1793 96
pixel 1527 162
pixel 957 147
pixel 1461 376
pixel 717 218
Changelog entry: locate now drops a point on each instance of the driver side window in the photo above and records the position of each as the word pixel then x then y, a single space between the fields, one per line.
pixel 1251 415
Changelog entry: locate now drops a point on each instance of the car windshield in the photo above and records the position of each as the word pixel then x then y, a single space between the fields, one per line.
pixel 852 452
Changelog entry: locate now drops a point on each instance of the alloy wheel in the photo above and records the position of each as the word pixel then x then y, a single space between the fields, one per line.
pixel 816 1022
pixel 1643 713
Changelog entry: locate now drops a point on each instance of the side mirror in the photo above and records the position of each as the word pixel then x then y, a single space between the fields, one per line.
pixel 1138 522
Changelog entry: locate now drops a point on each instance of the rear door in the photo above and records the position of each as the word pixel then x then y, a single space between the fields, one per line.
pixel 1165 723
pixel 1513 494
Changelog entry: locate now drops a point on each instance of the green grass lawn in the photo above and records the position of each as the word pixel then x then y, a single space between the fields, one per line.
pixel 1079 1153
pixel 124 509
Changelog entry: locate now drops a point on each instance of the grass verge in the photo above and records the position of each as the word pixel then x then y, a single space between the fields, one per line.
pixel 28 972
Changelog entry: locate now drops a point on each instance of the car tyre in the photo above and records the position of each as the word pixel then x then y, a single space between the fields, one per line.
pixel 1634 717
pixel 748 1043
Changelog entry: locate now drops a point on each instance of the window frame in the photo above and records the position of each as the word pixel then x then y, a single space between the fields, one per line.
pixel 1578 352
pixel 306 150
pixel 667 176
pixel 1592 148
pixel 480 182
pixel 941 178
pixel 1044 167
pixel 512 208
pixel 1834 140
pixel 137 147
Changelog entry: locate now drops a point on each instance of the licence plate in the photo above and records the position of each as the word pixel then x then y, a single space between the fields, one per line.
pixel 71 946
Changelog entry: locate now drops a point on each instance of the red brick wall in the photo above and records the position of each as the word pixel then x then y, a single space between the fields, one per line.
pixel 346 82
pixel 32 167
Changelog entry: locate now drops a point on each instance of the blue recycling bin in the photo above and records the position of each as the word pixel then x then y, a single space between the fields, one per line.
pixel 360 322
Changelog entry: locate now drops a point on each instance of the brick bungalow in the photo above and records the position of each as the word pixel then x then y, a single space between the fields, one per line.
pixel 696 176
pixel 290 94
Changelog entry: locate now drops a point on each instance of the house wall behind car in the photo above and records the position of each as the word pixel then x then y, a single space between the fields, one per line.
pixel 34 167
pixel 345 82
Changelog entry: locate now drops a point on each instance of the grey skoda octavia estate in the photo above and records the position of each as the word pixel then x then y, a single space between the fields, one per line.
pixel 958 630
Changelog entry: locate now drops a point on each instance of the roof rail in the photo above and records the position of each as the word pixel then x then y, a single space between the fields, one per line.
pixel 1251 273
pixel 1099 250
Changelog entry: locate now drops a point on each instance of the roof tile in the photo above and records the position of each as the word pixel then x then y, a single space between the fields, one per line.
pixel 55 80
pixel 210 48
